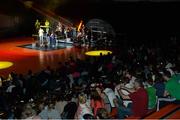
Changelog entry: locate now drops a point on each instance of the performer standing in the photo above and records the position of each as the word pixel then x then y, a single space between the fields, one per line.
pixel 52 40
pixel 47 26
pixel 37 25
pixel 41 32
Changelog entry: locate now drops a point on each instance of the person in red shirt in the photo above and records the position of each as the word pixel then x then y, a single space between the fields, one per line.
pixel 96 101
pixel 139 98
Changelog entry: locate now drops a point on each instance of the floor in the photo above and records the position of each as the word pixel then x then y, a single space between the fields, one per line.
pixel 25 59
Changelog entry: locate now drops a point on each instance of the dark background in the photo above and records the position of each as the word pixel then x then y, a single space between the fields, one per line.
pixel 134 21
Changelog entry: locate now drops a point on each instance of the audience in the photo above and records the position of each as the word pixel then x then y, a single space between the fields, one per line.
pixel 106 87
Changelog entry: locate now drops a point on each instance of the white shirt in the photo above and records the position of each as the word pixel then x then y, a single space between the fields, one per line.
pixel 41 31
pixel 116 90
pixel 117 93
pixel 131 83
pixel 111 95
pixel 9 89
pixel 82 110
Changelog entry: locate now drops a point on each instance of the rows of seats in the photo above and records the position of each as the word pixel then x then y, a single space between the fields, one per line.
pixel 164 112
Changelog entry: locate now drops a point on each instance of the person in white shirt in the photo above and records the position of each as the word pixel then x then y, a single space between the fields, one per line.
pixel 83 108
pixel 111 95
pixel 41 32
pixel 50 112
pixel 10 88
pixel 131 80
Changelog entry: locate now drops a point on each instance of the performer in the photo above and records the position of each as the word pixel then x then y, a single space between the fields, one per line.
pixel 52 40
pixel 74 34
pixel 58 30
pixel 37 25
pixel 65 33
pixel 41 32
pixel 47 26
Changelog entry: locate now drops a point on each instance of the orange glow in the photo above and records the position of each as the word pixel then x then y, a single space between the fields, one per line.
pixel 24 59
pixel 80 25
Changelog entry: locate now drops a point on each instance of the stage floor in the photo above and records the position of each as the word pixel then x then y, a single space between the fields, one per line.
pixel 36 60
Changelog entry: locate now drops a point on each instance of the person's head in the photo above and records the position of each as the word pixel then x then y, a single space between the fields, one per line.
pixel 150 82
pixel 99 90
pixel 128 74
pixel 82 99
pixel 95 95
pixel 88 117
pixel 166 75
pixel 102 113
pixel 138 83
pixel 28 111
pixel 51 104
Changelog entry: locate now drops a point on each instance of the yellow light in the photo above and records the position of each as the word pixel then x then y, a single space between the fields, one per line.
pixel 98 53
pixel 80 24
pixel 5 64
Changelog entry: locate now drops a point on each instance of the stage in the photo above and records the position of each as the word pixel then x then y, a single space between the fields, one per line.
pixel 21 53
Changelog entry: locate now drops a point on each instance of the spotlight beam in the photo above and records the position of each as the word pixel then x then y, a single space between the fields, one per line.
pixel 48 14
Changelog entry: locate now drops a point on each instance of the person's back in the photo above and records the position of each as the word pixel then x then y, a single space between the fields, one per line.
pixel 60 106
pixel 111 95
pixel 173 86
pixel 139 102
pixel 69 110
pixel 53 114
pixel 151 91
pixel 160 87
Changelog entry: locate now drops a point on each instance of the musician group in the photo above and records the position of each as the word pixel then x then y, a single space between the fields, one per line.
pixel 48 35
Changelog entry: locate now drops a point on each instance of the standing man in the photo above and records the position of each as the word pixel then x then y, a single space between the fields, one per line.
pixel 41 32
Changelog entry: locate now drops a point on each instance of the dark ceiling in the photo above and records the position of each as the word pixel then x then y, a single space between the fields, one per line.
pixel 139 17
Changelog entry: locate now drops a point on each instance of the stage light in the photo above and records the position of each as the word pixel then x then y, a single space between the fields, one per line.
pixel 5 64
pixel 98 53
pixel 80 24
pixel 28 4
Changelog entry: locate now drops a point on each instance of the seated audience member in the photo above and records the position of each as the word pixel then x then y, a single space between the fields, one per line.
pixel 122 82
pixel 29 112
pixel 139 99
pixel 102 114
pixel 151 91
pixel 96 101
pixel 130 78
pixel 172 86
pixel 60 104
pixel 105 98
pixel 159 85
pixel 50 112
pixel 69 111
pixel 83 107
pixel 111 96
